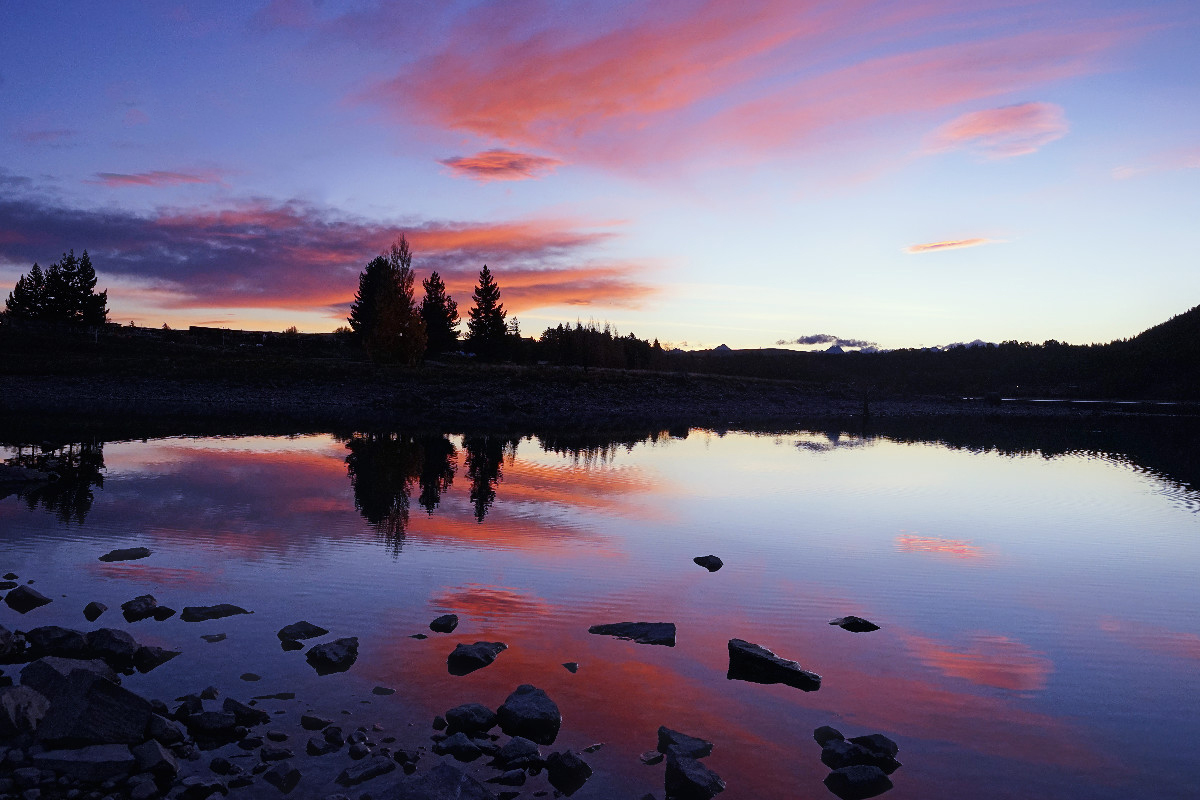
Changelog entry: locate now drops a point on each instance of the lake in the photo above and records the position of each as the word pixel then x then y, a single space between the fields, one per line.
pixel 1036 591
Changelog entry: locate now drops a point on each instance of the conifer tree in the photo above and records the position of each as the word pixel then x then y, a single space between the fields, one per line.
pixel 486 330
pixel 440 313
pixel 383 313
pixel 27 300
pixel 66 292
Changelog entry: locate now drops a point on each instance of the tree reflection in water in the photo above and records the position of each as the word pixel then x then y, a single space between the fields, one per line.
pixel 74 470
pixel 485 458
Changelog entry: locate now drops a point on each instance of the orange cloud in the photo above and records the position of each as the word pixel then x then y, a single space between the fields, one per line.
pixel 1003 132
pixel 501 165
pixel 990 660
pixel 154 178
pixel 949 244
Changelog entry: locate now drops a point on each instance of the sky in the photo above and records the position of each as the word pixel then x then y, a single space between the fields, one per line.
pixel 757 173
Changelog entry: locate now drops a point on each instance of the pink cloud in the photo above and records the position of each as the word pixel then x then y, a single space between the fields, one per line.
pixel 1168 161
pixel 501 165
pixel 154 178
pixel 949 244
pixel 1003 132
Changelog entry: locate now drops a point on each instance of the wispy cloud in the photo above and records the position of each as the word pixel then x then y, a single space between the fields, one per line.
pixel 501 165
pixel 1016 130
pixel 154 178
pixel 949 244
pixel 1180 158
pixel 825 338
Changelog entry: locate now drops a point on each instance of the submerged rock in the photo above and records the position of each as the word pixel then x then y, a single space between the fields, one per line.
pixel 444 624
pixel 205 613
pixel 365 770
pixel 23 599
pixel 662 633
pixel 300 630
pixel 126 554
pixel 530 713
pixel 149 657
pixel 757 664
pixel 710 563
pixel 854 624
pixel 336 656
pixel 858 782
pixel 213 637
pixel 467 658
pixel 283 776
pixel 518 752
pixel 95 763
pixel 567 771
pixel 459 746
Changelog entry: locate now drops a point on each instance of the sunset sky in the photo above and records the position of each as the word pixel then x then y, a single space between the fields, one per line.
pixel 906 173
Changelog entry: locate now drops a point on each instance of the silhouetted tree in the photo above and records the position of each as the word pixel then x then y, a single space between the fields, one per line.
pixel 383 314
pixel 485 454
pixel 66 292
pixel 440 313
pixel 486 331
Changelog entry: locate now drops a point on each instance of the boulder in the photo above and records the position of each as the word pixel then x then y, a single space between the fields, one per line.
pixel 688 779
pixel 49 675
pixel 12 646
pixel 270 752
pixel 710 563
pixel 365 770
pixel 336 656
pixel 838 753
pixel 162 613
pixel 24 599
pixel 152 757
pixel 528 712
pixel 205 613
pixel 518 752
pixel 459 746
pixel 163 730
pixel 212 637
pixel 444 624
pixel 443 782
pixel 825 734
pixel 471 718
pixel 283 776
pixel 93 764
pixel 93 610
pixel 300 630
pixel 88 710
pixel 513 777
pixel 681 744
pixel 319 747
pixel 21 709
pixel 311 722
pixel 244 714
pixel 854 624
pixel 139 608
pixel 467 658
pixel 116 647
pixel 149 657
pixel 125 554
pixel 751 662
pixel 857 782
pixel 641 632
pixel 212 724
pixel 877 743
pixel 51 640
pixel 567 771
pixel 571 666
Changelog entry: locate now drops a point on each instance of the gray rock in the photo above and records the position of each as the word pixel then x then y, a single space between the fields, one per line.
pixel 94 764
pixel 530 713
pixel 91 710
pixel 126 554
pixel 470 718
pixel 688 779
pixel 825 734
pixel 49 675
pixel 163 730
pixel 154 758
pixel 21 709
pixel 148 657
pixel 12 646
pixel 139 608
pixel 443 782
pixel 311 722
pixel 244 714
pixel 467 658
pixel 271 752
pixel 444 624
pixel 518 752
pixel 320 747
pixel 513 777
pixel 283 776
pixel 567 771
pixel 459 746
pixel 300 630
pixel 93 610
pixel 52 640
pixel 116 647
pixel 365 770
pixel 24 599
pixel 336 656
pixel 651 757
pixel 757 664
pixel 857 782
pixel 710 563
pixel 205 613
pixel 681 744
pixel 854 624
pixel 662 633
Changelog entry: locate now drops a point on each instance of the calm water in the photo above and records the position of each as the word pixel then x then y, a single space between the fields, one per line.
pixel 1040 608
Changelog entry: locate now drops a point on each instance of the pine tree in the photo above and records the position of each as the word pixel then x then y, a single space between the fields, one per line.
pixel 66 292
pixel 27 300
pixel 383 314
pixel 440 313
pixel 486 330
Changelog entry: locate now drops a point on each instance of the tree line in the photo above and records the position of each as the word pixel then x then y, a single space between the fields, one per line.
pixel 63 293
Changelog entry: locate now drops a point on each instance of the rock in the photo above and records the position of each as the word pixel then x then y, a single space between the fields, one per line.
pixel 93 610
pixel 250 677
pixel 91 710
pixel 443 782
pixel 21 709
pixel 270 752
pixel 194 787
pixel 300 630
pixel 751 662
pixel 221 765
pixel 518 752
pixel 213 637
pixel 710 563
pixel 142 787
pixel 336 656
pixel 514 777
pixel 471 718
pixel 154 758
pixel 878 743
pixel 825 734
pixel 51 640
pixel 382 691
pixel 12 646
pixel 688 779
pixel 444 624
pixel 567 771
pixel 161 729
pixel 277 736
pixel 244 714
pixel 213 724
pixel 439 723
pixel 139 608
pixel 467 658
pixel 148 657
pixel 49 675
pixel 126 554
pixel 837 754
pixel 290 644
pixel 854 624
pixel 320 747
pixel 334 734
pixel 651 757
pixel 365 770
pixel 116 647
pixel 311 722
pixel 282 776
pixel 530 713
pixel 93 764
pixel 857 782
pixel 418 636
pixel 162 613
pixel 24 599
pixel 205 613
pixel 670 741
pixel 572 666
pixel 641 632
pixel 459 746
pixel 276 696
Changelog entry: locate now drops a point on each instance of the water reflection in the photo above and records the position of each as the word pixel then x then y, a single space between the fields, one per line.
pixel 75 469
pixel 486 456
